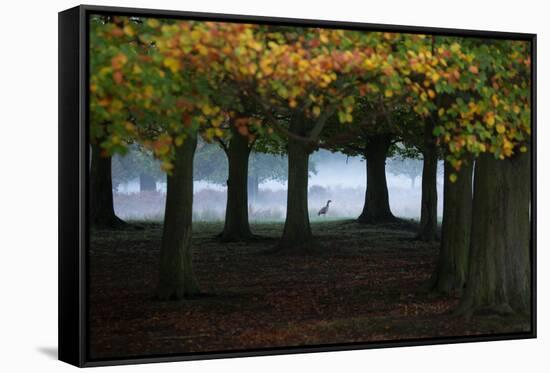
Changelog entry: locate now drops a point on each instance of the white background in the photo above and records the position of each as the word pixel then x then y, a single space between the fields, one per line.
pixel 28 186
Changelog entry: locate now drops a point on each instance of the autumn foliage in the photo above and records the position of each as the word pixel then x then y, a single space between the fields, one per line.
pixel 156 81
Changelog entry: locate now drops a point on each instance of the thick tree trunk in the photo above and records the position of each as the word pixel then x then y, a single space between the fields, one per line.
pixel 297 230
pixel 499 274
pixel 428 213
pixel 102 212
pixel 147 183
pixel 176 279
pixel 451 271
pixel 236 227
pixel 377 205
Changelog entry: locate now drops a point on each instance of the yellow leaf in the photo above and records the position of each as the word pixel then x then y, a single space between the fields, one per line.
pixel 129 126
pixel 167 166
pixel 388 93
pixel 441 112
pixel 152 22
pixel 207 110
pixel 195 35
pixel 172 63
pixel 129 30
pixel 316 111
pixel 148 91
pixel 116 105
pixel 115 139
pixel 490 119
pixel 455 47
pixel 453 178
pixel 500 128
pixel 326 78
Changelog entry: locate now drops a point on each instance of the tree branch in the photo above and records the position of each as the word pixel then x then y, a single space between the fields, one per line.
pixel 223 145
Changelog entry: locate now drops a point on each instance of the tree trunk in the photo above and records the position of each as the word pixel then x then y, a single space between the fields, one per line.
pixel 176 279
pixel 236 227
pixel 499 275
pixel 377 205
pixel 147 183
pixel 102 212
pixel 297 231
pixel 451 271
pixel 413 182
pixel 428 214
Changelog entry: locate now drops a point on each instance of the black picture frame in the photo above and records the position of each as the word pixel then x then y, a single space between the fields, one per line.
pixel 73 183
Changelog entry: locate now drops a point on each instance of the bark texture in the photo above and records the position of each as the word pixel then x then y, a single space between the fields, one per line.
pixel 297 230
pixel 176 278
pixel 451 271
pixel 102 212
pixel 377 205
pixel 428 213
pixel 499 275
pixel 237 227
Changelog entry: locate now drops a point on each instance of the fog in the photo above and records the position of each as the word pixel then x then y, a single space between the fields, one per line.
pixel 336 177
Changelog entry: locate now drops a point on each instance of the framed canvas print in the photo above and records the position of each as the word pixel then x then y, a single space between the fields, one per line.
pixel 239 186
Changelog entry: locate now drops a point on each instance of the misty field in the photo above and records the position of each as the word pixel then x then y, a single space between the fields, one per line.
pixel 361 285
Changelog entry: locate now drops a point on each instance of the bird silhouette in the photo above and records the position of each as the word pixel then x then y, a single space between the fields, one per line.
pixel 324 210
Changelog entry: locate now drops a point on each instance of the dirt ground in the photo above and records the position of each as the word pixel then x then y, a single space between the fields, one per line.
pixel 361 286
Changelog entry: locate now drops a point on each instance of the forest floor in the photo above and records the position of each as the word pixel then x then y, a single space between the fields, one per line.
pixel 361 286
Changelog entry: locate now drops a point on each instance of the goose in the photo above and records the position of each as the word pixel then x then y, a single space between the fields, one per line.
pixel 324 210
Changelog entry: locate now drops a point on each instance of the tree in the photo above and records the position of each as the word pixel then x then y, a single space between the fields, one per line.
pixel 137 163
pixel 236 224
pixel 131 100
pixel 485 113
pixel 268 162
pixel 176 278
pixel 299 78
pixel 428 209
pixel 380 123
pixel 409 167
pixel 155 84
pixel 499 272
pixel 452 267
pixel 102 212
